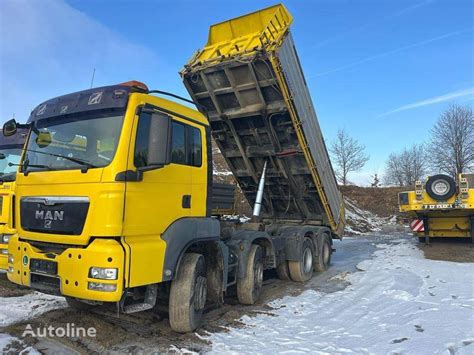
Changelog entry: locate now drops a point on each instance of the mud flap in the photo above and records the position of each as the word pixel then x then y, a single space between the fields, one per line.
pixel 426 229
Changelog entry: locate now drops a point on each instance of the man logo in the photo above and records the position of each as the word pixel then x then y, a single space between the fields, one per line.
pixel 49 216
pixel 95 98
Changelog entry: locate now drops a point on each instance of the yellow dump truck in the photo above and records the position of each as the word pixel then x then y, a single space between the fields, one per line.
pixel 115 197
pixel 441 207
pixel 10 154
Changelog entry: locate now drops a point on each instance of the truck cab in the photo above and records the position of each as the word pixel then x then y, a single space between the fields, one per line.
pixel 105 172
pixel 10 154
pixel 441 207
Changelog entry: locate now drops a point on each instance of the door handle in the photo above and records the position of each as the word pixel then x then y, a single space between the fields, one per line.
pixel 186 202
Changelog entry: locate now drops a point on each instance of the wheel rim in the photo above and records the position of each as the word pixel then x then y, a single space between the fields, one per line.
pixel 326 254
pixel 440 187
pixel 200 293
pixel 307 260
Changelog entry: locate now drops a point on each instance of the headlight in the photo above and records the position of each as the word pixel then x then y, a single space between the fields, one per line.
pixel 99 286
pixel 11 259
pixel 11 269
pixel 103 273
pixel 6 238
pixel 4 251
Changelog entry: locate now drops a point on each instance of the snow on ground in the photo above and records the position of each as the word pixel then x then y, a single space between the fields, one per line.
pixel 12 345
pixel 360 221
pixel 398 303
pixel 18 309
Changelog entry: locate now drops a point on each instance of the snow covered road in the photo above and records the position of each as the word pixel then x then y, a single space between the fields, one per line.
pixel 398 303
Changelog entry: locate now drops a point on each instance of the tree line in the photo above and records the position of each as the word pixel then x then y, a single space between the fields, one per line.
pixel 449 150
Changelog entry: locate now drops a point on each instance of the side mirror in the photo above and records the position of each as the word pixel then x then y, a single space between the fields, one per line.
pixel 159 148
pixel 10 127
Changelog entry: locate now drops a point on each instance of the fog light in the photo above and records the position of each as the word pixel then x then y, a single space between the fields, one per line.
pixel 5 238
pixel 11 259
pixel 11 269
pixel 4 251
pixel 100 286
pixel 103 273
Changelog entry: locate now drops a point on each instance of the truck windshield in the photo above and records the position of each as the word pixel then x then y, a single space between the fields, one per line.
pixel 9 156
pixel 73 143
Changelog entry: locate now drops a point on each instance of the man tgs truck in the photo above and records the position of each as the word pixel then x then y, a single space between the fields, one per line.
pixel 115 196
pixel 10 154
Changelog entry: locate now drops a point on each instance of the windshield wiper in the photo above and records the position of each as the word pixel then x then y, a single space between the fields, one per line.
pixel 26 165
pixel 75 160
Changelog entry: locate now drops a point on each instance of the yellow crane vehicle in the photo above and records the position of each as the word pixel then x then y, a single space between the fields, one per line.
pixel 441 207
pixel 10 154
pixel 115 197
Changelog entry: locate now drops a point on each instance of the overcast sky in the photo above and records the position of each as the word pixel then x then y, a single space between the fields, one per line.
pixel 384 70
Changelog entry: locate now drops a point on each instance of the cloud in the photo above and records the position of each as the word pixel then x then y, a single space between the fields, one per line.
pixel 49 48
pixel 433 100
pixel 393 51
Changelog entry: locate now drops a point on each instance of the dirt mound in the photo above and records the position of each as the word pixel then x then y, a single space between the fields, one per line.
pixel 382 201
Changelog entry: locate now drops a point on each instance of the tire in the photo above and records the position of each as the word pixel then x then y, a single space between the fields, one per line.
pixel 302 270
pixel 440 187
pixel 249 288
pixel 188 294
pixel 283 271
pixel 324 256
pixel 78 305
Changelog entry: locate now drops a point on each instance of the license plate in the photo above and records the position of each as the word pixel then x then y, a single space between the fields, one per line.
pixel 438 206
pixel 44 266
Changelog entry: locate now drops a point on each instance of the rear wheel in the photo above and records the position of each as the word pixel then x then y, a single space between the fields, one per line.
pixel 302 270
pixel 324 256
pixel 249 288
pixel 283 271
pixel 188 294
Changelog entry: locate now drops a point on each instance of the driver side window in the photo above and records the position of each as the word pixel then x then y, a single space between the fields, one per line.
pixel 186 145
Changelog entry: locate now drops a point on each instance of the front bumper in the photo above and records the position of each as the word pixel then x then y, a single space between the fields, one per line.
pixel 70 276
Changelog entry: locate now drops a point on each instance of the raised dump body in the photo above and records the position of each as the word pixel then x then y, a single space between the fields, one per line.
pixel 249 82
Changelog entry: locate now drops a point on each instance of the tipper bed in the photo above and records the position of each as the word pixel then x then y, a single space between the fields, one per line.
pixel 249 82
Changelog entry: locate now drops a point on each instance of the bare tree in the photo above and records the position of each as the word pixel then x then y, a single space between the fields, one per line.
pixel 452 141
pixel 405 168
pixel 348 154
pixel 393 171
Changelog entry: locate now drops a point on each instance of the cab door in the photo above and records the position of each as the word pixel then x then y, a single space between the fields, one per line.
pixel 156 195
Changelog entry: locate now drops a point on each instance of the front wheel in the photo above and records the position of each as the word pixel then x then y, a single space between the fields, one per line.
pixel 249 288
pixel 188 294
pixel 302 270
